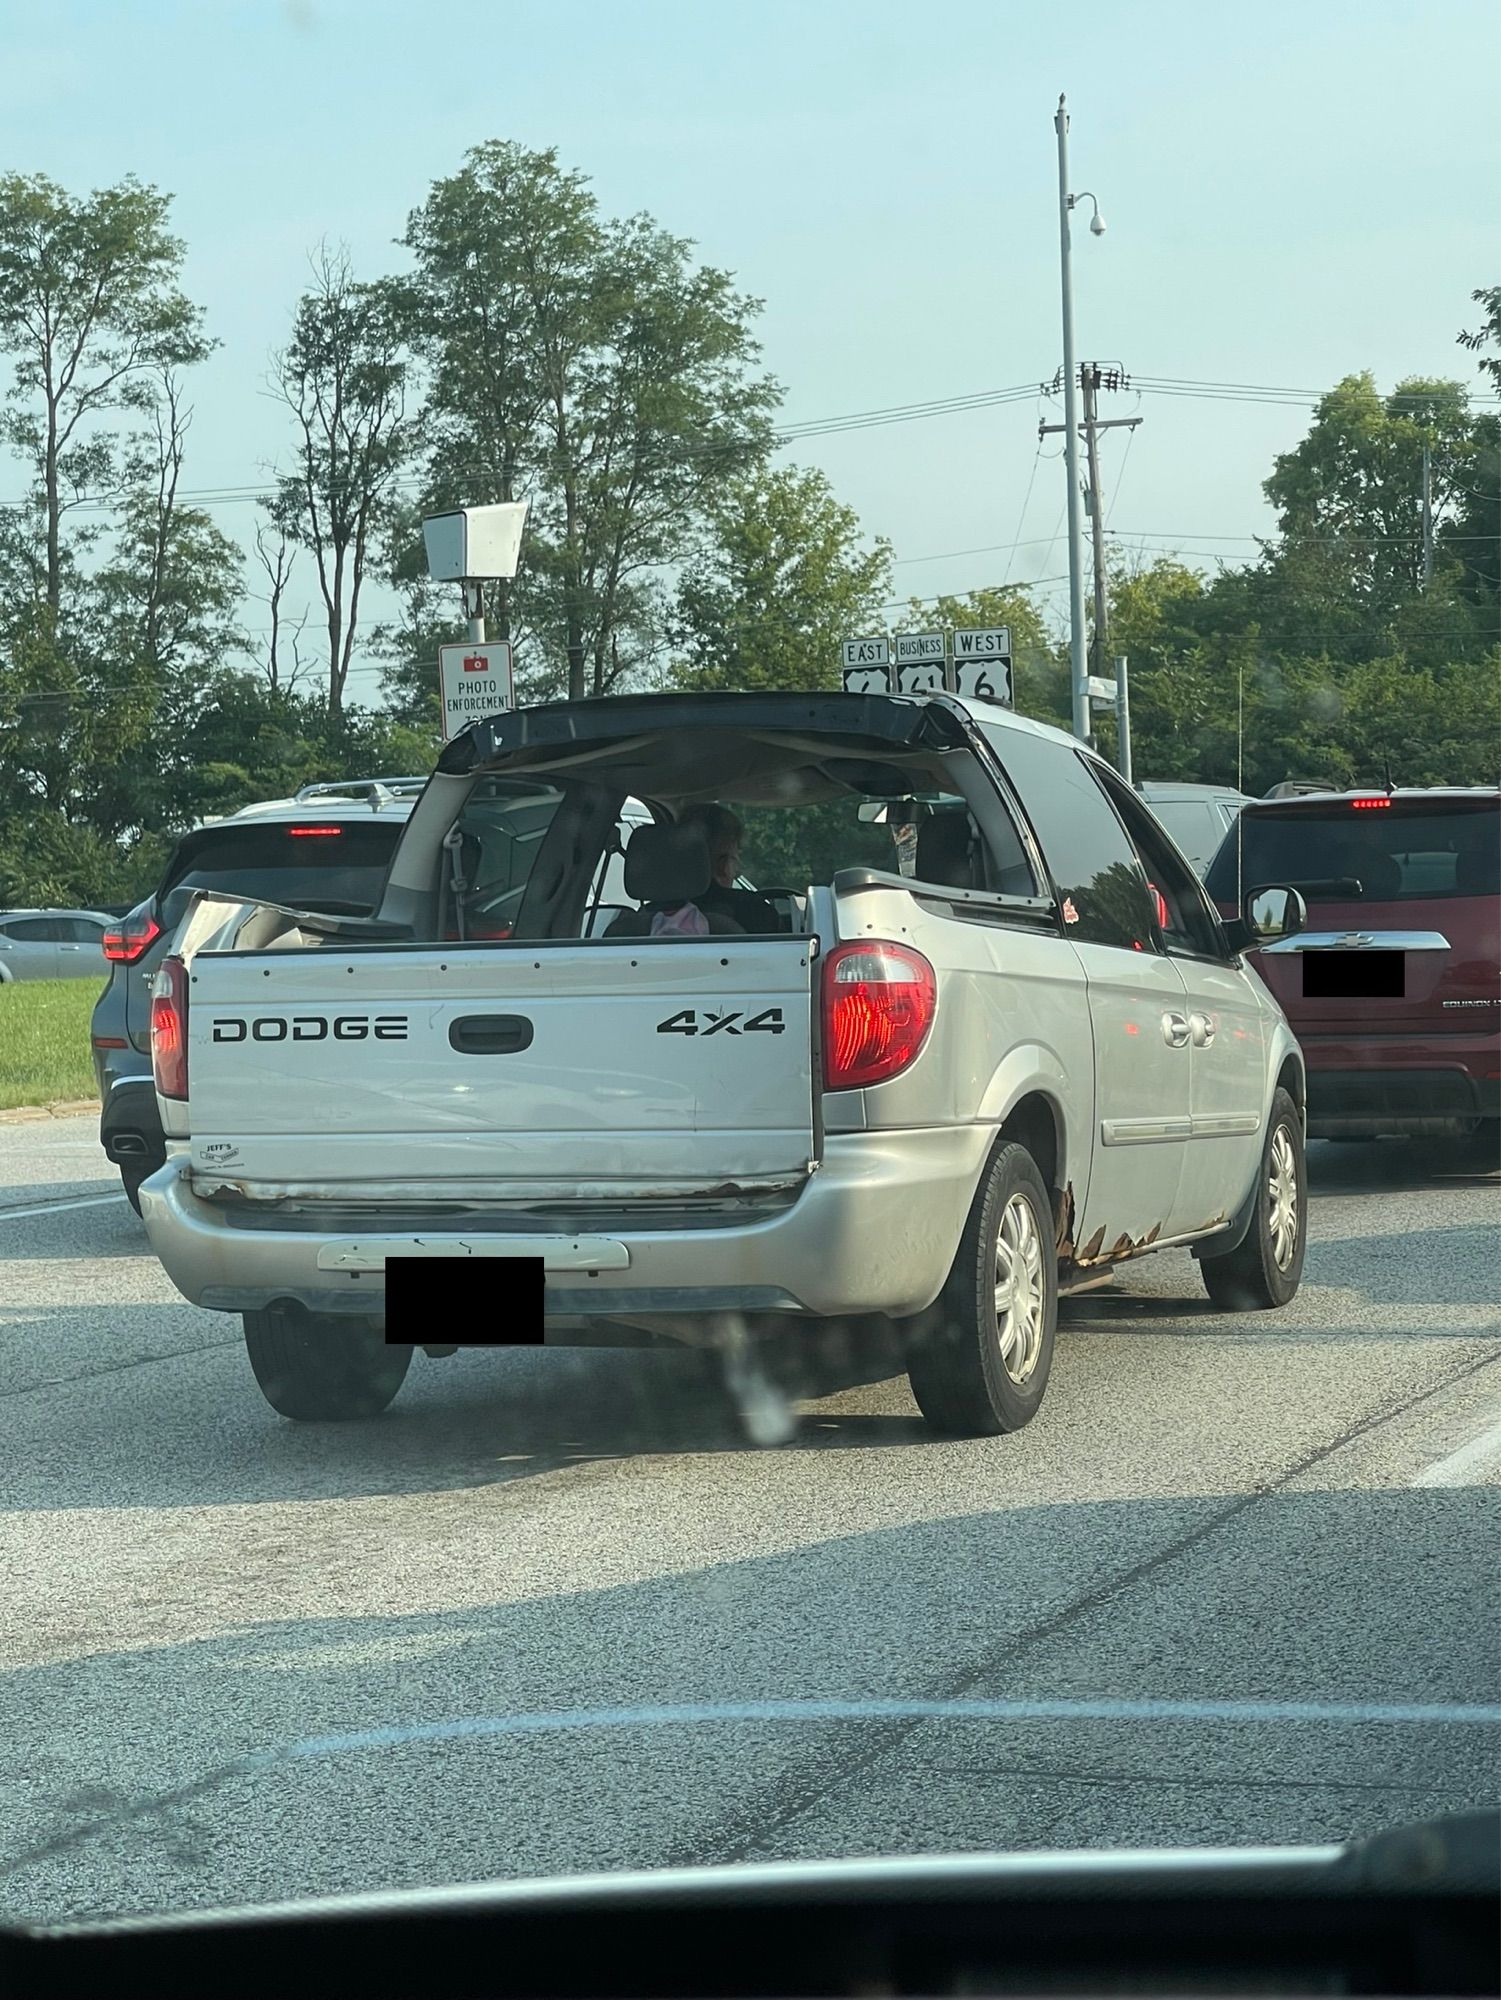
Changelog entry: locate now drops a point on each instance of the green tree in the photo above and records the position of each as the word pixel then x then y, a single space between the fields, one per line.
pixel 590 366
pixel 1349 501
pixel 782 577
pixel 343 376
pixel 1488 334
pixel 90 315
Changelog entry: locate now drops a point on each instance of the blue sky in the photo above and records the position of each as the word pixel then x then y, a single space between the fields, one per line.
pixel 1292 192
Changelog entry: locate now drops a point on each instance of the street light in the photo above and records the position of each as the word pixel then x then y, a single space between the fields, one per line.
pixel 1096 221
pixel 1078 663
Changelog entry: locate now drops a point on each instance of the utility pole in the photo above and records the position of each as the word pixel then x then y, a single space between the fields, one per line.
pixel 1427 517
pixel 1093 378
pixel 1090 382
pixel 1078 672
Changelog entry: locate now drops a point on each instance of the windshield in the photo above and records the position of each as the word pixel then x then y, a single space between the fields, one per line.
pixel 718 1243
pixel 1397 853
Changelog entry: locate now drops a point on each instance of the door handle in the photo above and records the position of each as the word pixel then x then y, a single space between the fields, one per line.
pixel 490 1035
pixel 1175 1031
pixel 1203 1026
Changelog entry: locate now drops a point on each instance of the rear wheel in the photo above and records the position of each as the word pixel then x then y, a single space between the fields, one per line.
pixel 980 1365
pixel 132 1173
pixel 1266 1268
pixel 323 1367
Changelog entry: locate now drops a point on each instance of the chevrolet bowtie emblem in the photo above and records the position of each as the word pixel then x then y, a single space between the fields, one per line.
pixel 1353 939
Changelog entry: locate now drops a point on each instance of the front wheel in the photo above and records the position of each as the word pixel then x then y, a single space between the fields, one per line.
pixel 1267 1266
pixel 980 1364
pixel 323 1367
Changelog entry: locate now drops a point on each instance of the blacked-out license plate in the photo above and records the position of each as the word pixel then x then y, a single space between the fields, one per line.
pixel 475 1301
pixel 1354 975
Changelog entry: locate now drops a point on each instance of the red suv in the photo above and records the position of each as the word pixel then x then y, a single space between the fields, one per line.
pixel 1394 986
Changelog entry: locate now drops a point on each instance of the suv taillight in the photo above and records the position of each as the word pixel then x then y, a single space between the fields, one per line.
pixel 125 942
pixel 169 1028
pixel 878 1005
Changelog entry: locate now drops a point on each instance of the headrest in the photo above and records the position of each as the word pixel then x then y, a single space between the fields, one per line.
pixel 945 850
pixel 667 864
pixel 1477 871
pixel 1379 876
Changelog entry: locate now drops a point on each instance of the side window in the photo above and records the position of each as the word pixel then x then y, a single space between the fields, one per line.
pixel 33 930
pixel 78 930
pixel 1187 922
pixel 971 846
pixel 1102 892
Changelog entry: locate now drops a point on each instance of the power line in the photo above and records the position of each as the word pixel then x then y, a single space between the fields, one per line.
pixel 233 494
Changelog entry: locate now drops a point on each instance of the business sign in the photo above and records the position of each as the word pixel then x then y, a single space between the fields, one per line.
pixel 476 680
pixel 866 666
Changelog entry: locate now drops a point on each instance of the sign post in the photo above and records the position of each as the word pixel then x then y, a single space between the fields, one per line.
pixel 469 546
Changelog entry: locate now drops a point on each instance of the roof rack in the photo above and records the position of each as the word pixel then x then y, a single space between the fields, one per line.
pixel 379 791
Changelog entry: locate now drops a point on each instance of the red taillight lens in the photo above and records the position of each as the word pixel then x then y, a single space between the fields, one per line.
pixel 878 1005
pixel 314 832
pixel 169 1029
pixel 125 942
pixel 1370 805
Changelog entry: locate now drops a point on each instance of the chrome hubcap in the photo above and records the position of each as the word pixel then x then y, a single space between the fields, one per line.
pixel 1282 1198
pixel 1020 1294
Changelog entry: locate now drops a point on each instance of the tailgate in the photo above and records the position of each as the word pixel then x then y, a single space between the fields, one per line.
pixel 533 1069
pixel 1428 968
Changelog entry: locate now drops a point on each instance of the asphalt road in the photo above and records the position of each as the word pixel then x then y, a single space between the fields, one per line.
pixel 551 1614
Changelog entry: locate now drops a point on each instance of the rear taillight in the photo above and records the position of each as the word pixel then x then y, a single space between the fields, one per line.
pixel 169 1028
pixel 125 942
pixel 878 1005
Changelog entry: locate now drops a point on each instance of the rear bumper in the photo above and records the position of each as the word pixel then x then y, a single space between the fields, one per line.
pixel 1437 1087
pixel 875 1231
pixel 130 1125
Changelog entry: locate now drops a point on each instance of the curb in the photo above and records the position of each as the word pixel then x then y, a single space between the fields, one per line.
pixel 64 1107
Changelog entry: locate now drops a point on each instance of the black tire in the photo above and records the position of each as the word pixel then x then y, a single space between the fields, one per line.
pixel 323 1367
pixel 1262 1272
pixel 959 1376
pixel 131 1176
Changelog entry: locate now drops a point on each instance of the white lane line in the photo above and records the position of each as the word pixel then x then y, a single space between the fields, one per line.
pixel 1457 1469
pixel 58 1207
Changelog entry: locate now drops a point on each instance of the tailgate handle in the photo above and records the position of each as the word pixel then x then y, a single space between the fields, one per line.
pixel 490 1034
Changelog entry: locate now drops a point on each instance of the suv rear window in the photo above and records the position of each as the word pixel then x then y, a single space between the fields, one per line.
pixel 315 863
pixel 1402 852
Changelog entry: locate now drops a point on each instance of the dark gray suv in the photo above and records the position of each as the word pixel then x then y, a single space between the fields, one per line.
pixel 326 850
